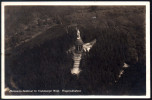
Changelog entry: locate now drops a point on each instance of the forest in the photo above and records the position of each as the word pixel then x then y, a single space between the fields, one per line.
pixel 37 38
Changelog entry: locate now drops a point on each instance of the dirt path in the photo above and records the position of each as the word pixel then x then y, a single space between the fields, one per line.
pixel 32 37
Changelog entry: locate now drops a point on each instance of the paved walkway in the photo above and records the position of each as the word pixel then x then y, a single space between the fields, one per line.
pixel 77 58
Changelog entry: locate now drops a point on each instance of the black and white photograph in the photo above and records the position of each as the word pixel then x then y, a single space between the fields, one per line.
pixel 75 49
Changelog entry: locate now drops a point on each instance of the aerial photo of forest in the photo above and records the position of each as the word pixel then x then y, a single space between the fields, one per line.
pixel 37 38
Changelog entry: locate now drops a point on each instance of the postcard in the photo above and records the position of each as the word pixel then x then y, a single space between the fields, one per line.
pixel 75 50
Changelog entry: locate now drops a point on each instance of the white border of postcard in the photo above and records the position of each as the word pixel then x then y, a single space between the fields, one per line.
pixel 98 3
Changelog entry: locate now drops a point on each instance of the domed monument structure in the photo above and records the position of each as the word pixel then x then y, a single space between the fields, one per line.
pixel 78 43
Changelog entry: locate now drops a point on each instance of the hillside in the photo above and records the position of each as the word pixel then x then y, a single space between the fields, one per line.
pixel 37 39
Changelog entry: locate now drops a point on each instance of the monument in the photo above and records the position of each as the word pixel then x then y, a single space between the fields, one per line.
pixel 77 50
